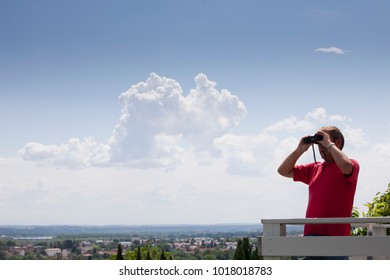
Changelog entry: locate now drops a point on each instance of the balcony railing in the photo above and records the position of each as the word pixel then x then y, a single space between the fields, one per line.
pixel 274 244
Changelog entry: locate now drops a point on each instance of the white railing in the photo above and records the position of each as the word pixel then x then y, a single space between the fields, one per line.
pixel 274 244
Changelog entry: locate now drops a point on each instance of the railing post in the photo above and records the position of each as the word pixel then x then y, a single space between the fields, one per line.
pixel 369 233
pixel 274 229
pixel 377 230
pixel 271 229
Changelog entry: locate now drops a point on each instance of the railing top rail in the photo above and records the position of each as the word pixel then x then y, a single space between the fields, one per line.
pixel 302 221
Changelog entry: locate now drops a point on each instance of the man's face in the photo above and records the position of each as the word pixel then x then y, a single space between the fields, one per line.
pixel 325 154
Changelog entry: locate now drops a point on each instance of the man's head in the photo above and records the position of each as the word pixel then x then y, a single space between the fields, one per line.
pixel 335 135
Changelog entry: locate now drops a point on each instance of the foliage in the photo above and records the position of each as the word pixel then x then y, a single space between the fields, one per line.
pixel 119 255
pixel 138 254
pixel 244 250
pixel 147 252
pixel 148 257
pixel 247 248
pixel 379 207
pixel 162 255
pixel 204 254
pixel 239 254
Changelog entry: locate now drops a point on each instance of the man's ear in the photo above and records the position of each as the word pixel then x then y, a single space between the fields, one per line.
pixel 338 143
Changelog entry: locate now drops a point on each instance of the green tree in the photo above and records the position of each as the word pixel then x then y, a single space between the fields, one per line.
pixel 246 246
pixel 379 207
pixel 162 256
pixel 239 254
pixel 119 255
pixel 181 255
pixel 139 254
pixel 148 257
pixel 3 254
pixel 255 255
pixel 244 250
pixel 11 243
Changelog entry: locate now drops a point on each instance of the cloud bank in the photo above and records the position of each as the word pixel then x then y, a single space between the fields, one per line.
pixel 74 154
pixel 157 125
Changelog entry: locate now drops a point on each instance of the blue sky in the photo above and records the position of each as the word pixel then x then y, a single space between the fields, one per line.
pixel 181 111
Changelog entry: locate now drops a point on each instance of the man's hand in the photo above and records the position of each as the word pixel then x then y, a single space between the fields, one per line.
pixel 302 146
pixel 326 139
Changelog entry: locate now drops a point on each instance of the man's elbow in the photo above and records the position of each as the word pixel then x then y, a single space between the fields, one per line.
pixel 347 168
pixel 285 173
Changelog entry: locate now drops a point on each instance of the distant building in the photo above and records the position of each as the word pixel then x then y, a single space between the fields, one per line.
pixel 20 250
pixel 86 247
pixel 65 253
pixel 52 252
pixel 231 245
pixel 126 244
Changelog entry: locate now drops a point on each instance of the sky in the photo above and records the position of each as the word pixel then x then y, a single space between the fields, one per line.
pixel 141 112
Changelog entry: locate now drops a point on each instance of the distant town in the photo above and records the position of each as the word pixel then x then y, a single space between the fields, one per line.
pixel 176 242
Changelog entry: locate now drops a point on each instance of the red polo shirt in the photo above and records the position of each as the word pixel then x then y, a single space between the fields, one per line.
pixel 331 195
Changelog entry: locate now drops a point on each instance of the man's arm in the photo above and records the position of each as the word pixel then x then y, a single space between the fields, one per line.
pixel 286 169
pixel 342 160
pixel 339 157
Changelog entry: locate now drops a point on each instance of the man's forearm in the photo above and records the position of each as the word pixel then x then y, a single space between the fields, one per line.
pixel 287 167
pixel 341 159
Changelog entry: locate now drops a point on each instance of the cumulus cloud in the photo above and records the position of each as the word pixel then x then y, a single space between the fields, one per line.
pixel 292 123
pixel 250 155
pixel 381 153
pixel 355 136
pixel 76 153
pixel 339 118
pixel 317 115
pixel 157 125
pixel 313 120
pixel 330 50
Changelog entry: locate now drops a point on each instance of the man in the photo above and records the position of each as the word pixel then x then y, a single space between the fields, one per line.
pixel 332 183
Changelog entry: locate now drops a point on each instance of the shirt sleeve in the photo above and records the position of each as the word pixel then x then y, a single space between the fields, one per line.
pixel 356 168
pixel 303 173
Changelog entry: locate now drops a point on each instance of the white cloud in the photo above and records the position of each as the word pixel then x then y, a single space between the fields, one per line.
pixel 160 127
pixel 3 162
pixel 331 50
pixel 339 118
pixel 292 123
pixel 247 155
pixel 156 126
pixel 49 195
pixel 157 107
pixel 381 152
pixel 355 137
pixel 318 115
pixel 76 153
